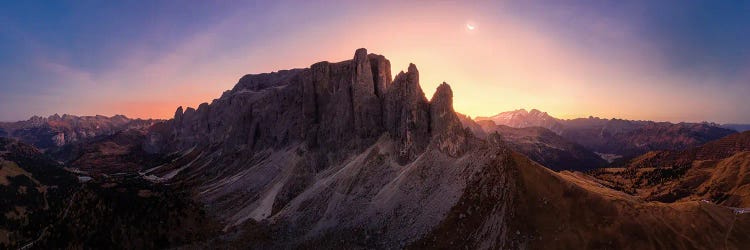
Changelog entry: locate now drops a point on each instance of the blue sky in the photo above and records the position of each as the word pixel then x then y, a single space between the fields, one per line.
pixel 665 60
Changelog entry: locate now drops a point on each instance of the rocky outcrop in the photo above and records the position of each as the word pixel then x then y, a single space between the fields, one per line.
pixel 450 136
pixel 406 114
pixel 178 116
pixel 365 102
pixel 381 73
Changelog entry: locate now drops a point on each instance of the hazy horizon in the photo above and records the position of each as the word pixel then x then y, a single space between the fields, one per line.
pixel 667 61
pixel 458 111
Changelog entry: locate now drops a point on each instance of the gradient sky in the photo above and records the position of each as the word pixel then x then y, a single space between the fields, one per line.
pixel 655 60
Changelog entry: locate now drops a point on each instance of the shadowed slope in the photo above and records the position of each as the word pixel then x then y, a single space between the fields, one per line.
pixel 515 203
pixel 546 147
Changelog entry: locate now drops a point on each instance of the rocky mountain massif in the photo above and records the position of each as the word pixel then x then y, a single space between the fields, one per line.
pixel 341 155
pixel 616 138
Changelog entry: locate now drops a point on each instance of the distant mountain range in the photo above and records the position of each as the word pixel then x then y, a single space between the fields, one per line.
pixel 57 131
pixel 343 156
pixel 738 127
pixel 624 138
pixel 538 143
pixel 523 119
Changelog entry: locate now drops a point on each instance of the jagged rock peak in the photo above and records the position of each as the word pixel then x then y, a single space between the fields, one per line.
pixel 441 108
pixel 407 114
pixel 203 106
pixel 536 112
pixel 189 111
pixel 445 125
pixel 443 94
pixel 412 69
pixel 409 80
pixel 178 115
pixel 360 55
pixel 365 102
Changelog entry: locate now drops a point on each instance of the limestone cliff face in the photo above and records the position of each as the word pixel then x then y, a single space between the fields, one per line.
pixel 381 70
pixel 331 107
pixel 365 102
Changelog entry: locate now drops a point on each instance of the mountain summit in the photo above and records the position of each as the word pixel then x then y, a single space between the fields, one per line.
pixel 522 119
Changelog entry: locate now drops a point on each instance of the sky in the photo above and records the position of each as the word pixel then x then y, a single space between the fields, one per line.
pixel 645 60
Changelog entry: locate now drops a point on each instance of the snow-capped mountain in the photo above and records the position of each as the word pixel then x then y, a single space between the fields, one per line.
pixel 523 119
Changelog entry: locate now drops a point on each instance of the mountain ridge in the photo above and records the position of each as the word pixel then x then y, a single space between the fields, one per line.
pixel 56 131
pixel 618 137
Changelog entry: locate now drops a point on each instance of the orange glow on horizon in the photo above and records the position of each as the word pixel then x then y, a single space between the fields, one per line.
pixel 504 64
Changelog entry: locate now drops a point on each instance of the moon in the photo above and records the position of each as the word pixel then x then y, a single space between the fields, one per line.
pixel 470 27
